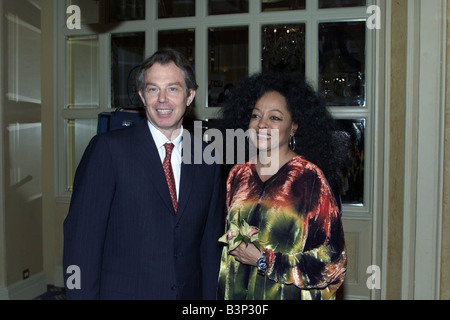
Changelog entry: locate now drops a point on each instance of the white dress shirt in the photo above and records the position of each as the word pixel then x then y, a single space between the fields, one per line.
pixel 160 139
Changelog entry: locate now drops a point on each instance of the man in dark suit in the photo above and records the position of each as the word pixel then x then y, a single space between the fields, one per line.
pixel 140 227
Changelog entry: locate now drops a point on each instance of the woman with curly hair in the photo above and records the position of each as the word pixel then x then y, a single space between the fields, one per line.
pixel 294 209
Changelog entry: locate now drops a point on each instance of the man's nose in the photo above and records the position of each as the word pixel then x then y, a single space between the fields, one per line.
pixel 162 96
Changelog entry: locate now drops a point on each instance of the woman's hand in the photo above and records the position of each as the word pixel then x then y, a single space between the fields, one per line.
pixel 247 254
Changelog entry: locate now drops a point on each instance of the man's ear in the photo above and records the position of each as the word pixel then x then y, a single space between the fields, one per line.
pixel 142 98
pixel 191 97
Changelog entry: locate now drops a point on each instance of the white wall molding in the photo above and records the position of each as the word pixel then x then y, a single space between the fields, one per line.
pixel 381 174
pixel 3 293
pixel 431 148
pixel 411 148
pixel 27 289
pixel 425 118
pixel 2 175
pixel 58 277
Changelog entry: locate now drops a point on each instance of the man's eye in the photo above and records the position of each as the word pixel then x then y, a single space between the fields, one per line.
pixel 173 90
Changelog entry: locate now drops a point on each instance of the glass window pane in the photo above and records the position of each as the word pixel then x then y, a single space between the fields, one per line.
pixel 127 53
pixel 227 6
pixel 181 40
pixel 89 10
pixel 282 5
pixel 228 61
pixel 342 54
pixel 354 130
pixel 79 133
pixel 341 3
pixel 82 72
pixel 126 10
pixel 283 48
pixel 176 8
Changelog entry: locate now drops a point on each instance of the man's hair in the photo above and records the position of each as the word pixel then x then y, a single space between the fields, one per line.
pixel 164 57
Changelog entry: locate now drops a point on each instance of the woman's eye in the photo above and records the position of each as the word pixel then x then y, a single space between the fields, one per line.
pixel 275 118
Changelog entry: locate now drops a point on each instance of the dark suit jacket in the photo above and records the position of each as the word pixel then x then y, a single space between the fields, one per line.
pixel 122 232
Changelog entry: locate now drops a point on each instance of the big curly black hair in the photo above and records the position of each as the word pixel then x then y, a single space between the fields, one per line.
pixel 318 137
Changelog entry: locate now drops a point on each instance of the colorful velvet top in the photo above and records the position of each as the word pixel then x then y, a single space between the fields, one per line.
pixel 301 230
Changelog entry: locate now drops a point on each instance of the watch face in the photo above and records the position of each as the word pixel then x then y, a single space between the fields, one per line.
pixel 261 264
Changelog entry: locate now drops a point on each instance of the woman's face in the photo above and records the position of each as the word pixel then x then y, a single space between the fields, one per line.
pixel 271 123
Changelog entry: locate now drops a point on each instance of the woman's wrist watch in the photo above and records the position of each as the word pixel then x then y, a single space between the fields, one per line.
pixel 261 264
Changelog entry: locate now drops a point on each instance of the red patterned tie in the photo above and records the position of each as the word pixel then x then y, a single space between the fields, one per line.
pixel 169 174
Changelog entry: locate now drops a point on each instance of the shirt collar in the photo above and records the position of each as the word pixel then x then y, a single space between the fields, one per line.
pixel 160 139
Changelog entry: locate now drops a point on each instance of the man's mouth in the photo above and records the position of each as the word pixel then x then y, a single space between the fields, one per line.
pixel 164 111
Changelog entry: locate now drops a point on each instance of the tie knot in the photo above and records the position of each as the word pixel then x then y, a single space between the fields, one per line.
pixel 169 147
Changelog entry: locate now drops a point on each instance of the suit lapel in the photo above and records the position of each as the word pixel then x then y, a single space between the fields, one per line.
pixel 149 157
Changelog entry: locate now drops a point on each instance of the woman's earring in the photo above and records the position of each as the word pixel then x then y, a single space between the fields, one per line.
pixel 292 143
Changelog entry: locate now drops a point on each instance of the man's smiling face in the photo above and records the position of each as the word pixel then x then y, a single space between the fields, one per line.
pixel 166 97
